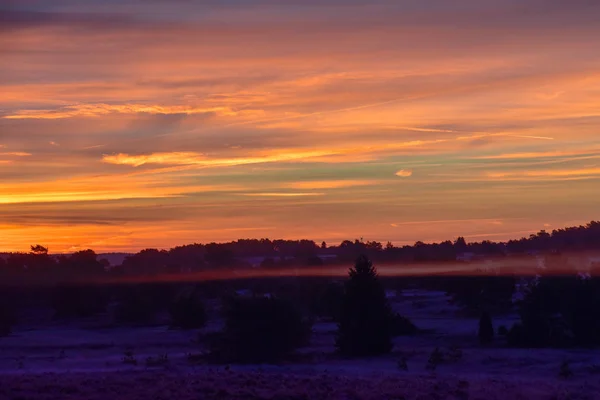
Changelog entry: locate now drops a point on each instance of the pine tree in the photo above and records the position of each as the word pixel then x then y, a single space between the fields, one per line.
pixel 366 319
pixel 486 330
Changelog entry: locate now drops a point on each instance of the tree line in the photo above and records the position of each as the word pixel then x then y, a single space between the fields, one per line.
pixel 40 265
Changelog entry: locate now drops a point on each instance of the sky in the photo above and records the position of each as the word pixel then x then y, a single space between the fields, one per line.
pixel 132 124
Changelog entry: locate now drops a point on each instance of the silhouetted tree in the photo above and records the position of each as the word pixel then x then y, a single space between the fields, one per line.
pixel 460 244
pixel 39 249
pixel 187 310
pixel 260 329
pixel 559 311
pixel 365 326
pixel 486 329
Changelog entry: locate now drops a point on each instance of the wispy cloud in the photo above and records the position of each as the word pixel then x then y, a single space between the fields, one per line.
pixel 191 158
pixel 100 188
pixel 96 110
pixel 492 221
pixel 328 154
pixel 542 154
pixel 330 184
pixel 15 154
pixel 545 173
pixel 283 194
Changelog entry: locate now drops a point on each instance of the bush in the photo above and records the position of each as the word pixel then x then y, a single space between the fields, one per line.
pixel 135 306
pixel 78 301
pixel 565 370
pixel 159 361
pixel 475 292
pixel 486 330
pixel 258 330
pixel 129 357
pixel 435 358
pixel 327 302
pixel 365 327
pixel 559 312
pixel 502 330
pixel 402 326
pixel 187 311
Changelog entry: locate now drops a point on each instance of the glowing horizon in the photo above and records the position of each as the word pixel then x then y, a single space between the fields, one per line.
pixel 127 125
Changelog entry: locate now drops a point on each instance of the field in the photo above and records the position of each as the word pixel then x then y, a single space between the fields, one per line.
pixel 91 359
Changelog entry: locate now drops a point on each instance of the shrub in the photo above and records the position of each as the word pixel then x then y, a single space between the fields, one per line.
pixel 435 358
pixel 455 354
pixel 502 330
pixel 559 312
pixel 129 357
pixel 78 301
pixel 258 330
pixel 474 292
pixel 565 370
pixel 365 327
pixel 187 311
pixel 327 302
pixel 486 330
pixel 402 364
pixel 159 361
pixel 135 306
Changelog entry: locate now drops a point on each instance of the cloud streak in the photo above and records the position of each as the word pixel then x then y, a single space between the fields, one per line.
pixel 96 110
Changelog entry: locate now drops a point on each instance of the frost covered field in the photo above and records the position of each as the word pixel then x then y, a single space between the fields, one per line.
pixel 87 360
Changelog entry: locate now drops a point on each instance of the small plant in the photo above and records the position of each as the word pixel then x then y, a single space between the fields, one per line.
pixel 435 358
pixel 502 330
pixel 565 370
pixel 129 357
pixel 158 361
pixel 195 358
pixel 402 365
pixel 455 354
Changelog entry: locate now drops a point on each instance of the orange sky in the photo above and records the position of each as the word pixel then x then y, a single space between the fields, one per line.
pixel 133 124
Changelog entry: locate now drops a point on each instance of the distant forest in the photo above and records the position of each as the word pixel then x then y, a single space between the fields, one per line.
pixel 40 265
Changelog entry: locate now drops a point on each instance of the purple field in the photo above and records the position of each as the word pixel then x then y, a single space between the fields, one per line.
pixel 87 360
pixel 248 385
